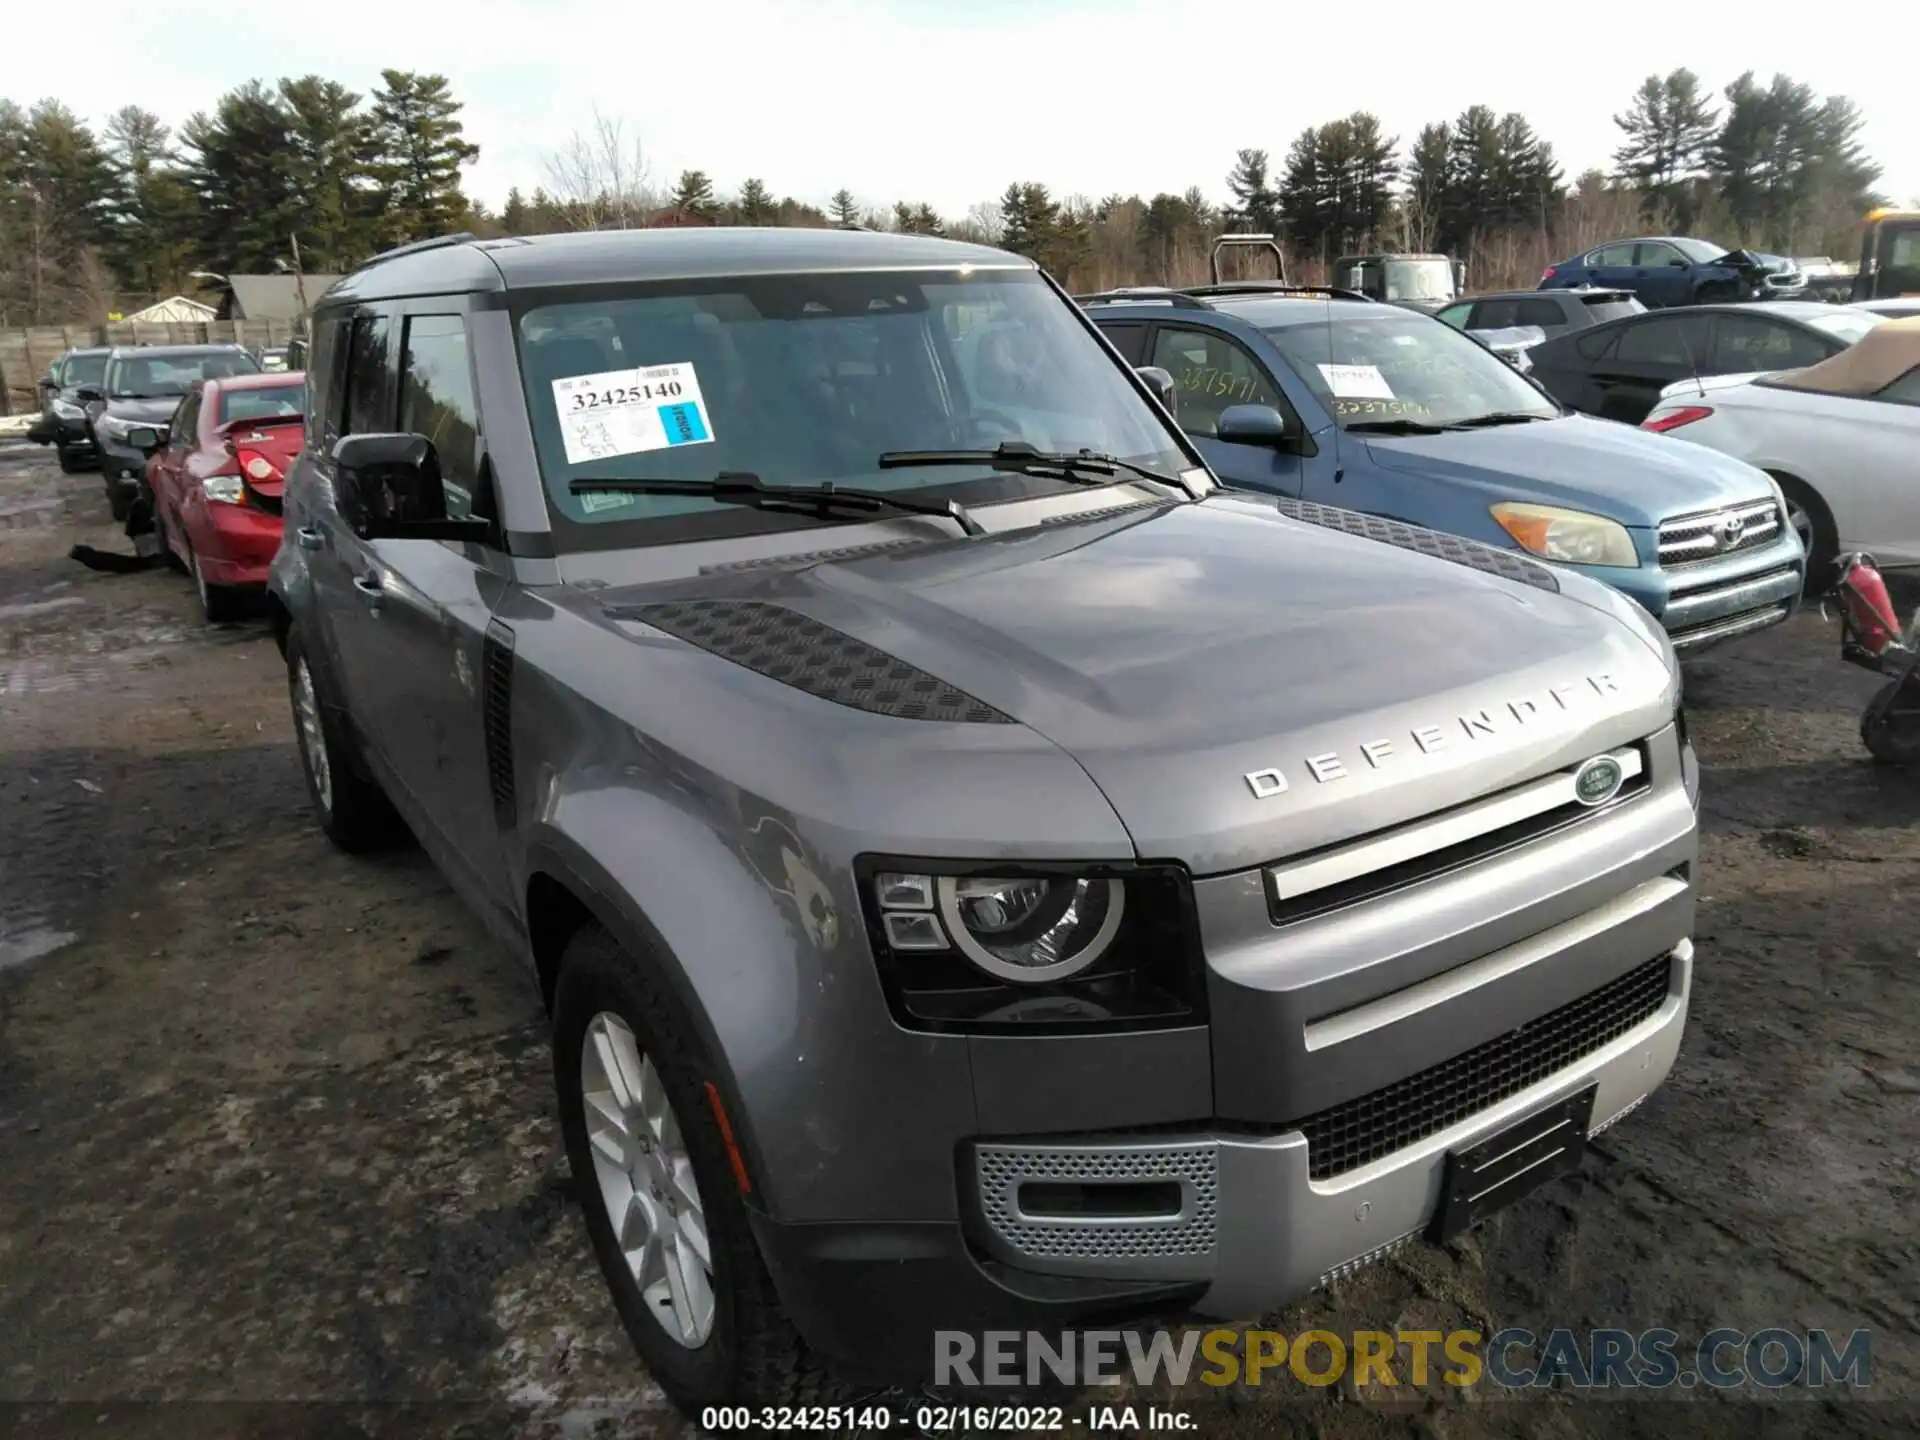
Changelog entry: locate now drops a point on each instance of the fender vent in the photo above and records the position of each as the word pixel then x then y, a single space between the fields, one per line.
pixel 496 715
pixel 798 650
pixel 1460 551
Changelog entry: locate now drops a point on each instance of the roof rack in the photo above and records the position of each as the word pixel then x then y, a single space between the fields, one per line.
pixel 1145 294
pixel 1272 287
pixel 438 242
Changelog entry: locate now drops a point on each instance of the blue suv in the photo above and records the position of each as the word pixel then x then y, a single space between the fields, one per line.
pixel 1329 397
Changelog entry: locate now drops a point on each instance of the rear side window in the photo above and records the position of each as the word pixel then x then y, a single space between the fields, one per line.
pixel 1670 340
pixel 1743 343
pixel 1611 255
pixel 1612 307
pixel 1547 314
pixel 436 400
pixel 1597 344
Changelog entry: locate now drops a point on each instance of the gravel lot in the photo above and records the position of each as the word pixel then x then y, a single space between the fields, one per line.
pixel 276 1130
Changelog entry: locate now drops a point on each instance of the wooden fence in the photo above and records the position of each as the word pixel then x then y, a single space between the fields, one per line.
pixel 26 353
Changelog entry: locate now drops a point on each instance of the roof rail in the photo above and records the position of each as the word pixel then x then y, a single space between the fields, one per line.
pixel 438 242
pixel 1273 287
pixel 1145 294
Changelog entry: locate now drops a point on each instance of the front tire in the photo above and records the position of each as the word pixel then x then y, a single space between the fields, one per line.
pixel 220 604
pixel 1891 736
pixel 662 1204
pixel 352 809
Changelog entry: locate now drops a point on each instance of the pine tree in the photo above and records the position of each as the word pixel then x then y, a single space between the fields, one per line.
pixel 1257 203
pixel 1027 216
pixel 242 167
pixel 418 150
pixel 1670 129
pixel 693 195
pixel 1426 189
pixel 756 204
pixel 1305 195
pixel 153 222
pixel 332 145
pixel 844 209
pixel 513 214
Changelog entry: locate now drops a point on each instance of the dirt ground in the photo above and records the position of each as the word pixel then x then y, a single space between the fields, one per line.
pixel 277 1143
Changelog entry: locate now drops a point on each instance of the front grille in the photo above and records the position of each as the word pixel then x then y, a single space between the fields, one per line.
pixel 1726 531
pixel 1357 1132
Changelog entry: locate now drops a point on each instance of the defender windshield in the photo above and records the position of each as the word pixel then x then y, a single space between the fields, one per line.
pixel 809 379
pixel 84 372
pixel 162 376
pixel 1419 280
pixel 1384 366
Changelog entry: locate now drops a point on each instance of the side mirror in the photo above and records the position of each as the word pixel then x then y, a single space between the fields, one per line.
pixel 1676 264
pixel 388 488
pixel 1253 425
pixel 145 439
pixel 88 395
pixel 1160 382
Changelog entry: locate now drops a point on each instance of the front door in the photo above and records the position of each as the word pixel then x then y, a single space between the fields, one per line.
pixel 430 604
pixel 1211 372
pixel 1661 274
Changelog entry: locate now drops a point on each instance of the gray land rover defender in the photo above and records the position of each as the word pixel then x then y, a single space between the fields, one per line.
pixel 982 873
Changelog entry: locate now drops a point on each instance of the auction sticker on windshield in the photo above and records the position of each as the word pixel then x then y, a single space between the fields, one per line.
pixel 625 412
pixel 1357 382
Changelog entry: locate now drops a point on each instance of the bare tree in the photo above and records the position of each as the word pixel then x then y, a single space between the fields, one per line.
pixel 601 178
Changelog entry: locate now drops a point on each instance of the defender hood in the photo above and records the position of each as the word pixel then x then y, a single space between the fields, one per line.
pixel 1172 651
pixel 1610 469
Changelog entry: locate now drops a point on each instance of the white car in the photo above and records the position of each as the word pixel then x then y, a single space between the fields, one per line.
pixel 1842 438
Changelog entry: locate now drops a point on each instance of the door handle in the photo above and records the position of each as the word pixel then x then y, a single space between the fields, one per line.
pixel 370 591
pixel 308 538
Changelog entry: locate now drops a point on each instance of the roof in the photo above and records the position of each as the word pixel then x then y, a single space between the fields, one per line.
pixel 1278 312
pixel 271 297
pixel 599 257
pixel 263 380
pixel 1872 363
pixel 174 309
pixel 217 347
pixel 1577 292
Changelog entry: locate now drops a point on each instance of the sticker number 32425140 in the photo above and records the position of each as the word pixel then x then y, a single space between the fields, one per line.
pixel 626 412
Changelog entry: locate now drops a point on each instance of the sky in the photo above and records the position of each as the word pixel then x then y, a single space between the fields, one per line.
pixel 949 102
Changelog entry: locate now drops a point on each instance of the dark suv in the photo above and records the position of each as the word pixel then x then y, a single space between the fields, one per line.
pixel 982 873
pixel 63 414
pixel 143 386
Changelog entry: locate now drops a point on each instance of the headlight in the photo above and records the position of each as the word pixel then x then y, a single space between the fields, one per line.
pixel 67 410
pixel 223 488
pixel 1572 536
pixel 983 947
pixel 113 427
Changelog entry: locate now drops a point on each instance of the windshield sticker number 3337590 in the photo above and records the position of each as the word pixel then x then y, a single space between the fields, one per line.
pixel 625 412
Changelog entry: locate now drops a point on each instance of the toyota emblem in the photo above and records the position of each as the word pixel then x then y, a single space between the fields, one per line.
pixel 1729 529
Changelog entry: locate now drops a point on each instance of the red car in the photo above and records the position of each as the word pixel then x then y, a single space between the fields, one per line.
pixel 216 483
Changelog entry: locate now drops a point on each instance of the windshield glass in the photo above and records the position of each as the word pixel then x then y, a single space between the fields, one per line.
pixel 1403 366
pixel 805 379
pixel 165 376
pixel 1419 280
pixel 1848 325
pixel 84 371
pixel 1699 251
pixel 278 401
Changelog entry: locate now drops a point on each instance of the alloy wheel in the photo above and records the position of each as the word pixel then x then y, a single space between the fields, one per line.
pixel 313 740
pixel 645 1180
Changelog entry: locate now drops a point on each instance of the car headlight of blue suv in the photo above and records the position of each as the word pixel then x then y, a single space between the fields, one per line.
pixel 1572 536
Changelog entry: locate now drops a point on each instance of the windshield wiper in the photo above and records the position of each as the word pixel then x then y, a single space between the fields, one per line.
pixel 1395 427
pixel 1017 457
pixel 1500 417
pixel 743 487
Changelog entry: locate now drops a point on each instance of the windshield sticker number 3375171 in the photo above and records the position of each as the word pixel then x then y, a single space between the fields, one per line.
pixel 626 412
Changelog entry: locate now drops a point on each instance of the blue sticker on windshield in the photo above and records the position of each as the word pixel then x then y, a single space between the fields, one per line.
pixel 682 424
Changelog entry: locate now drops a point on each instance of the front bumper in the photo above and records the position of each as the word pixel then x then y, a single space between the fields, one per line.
pixel 1705 603
pixel 122 465
pixel 1252 1226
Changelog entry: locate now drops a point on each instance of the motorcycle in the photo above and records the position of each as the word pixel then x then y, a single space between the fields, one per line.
pixel 1872 638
